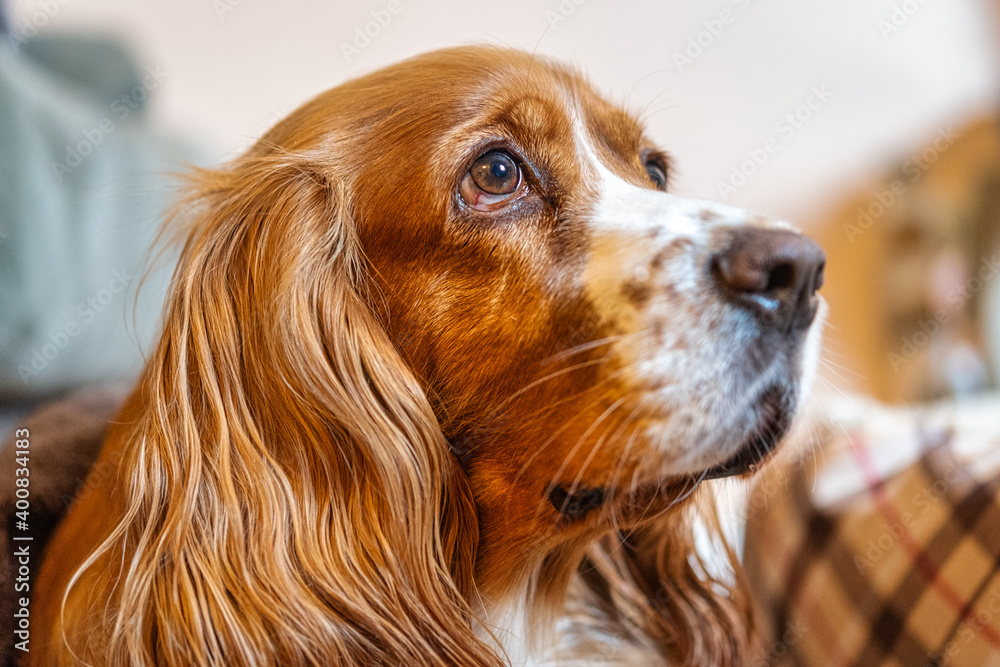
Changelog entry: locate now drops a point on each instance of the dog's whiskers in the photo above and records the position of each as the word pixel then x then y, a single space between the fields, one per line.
pixel 687 493
pixel 579 443
pixel 542 380
pixel 589 345
pixel 609 379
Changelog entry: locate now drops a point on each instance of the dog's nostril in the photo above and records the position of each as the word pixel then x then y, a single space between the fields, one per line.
pixel 780 277
pixel 774 273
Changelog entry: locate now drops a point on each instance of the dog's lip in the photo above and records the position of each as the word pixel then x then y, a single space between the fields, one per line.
pixel 773 423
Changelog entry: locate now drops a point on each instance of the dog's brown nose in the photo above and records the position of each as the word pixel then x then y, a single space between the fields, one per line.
pixel 773 273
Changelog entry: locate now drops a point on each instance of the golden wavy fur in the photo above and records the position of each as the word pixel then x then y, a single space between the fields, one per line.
pixel 387 418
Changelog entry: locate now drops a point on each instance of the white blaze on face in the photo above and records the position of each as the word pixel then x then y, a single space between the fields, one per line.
pixel 629 225
pixel 681 346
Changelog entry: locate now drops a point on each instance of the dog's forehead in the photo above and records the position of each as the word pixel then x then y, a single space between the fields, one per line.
pixel 543 105
pixel 450 102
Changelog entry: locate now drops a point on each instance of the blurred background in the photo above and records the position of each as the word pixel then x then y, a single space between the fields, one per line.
pixel 869 123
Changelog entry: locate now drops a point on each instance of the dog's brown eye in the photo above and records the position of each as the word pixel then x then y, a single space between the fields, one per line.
pixel 657 174
pixel 493 180
pixel 496 173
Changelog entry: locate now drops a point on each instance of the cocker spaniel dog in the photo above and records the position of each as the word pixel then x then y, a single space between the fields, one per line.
pixel 442 364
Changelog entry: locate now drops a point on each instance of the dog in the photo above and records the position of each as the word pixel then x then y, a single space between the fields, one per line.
pixel 442 367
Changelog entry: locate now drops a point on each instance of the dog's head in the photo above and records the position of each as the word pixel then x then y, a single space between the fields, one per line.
pixel 582 334
pixel 452 306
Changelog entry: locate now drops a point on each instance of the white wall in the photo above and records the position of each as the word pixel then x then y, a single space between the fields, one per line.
pixel 235 66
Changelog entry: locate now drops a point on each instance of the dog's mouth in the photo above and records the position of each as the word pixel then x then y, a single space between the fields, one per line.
pixel 773 422
pixel 775 409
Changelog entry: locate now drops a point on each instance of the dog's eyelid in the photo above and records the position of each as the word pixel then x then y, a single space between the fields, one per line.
pixel 657 166
pixel 654 154
pixel 496 142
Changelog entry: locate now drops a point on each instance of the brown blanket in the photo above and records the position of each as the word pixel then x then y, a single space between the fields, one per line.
pixel 883 546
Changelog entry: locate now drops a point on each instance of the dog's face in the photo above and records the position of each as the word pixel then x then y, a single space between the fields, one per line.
pixel 427 343
pixel 587 339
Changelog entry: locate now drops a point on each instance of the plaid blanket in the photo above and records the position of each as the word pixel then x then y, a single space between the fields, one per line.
pixel 883 546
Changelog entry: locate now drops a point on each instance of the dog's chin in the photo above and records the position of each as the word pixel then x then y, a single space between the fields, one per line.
pixel 774 418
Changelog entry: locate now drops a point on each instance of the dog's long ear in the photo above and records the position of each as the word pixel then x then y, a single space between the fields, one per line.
pixel 661 590
pixel 294 501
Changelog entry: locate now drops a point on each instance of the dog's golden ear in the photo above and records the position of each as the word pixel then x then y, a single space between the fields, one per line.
pixel 298 501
